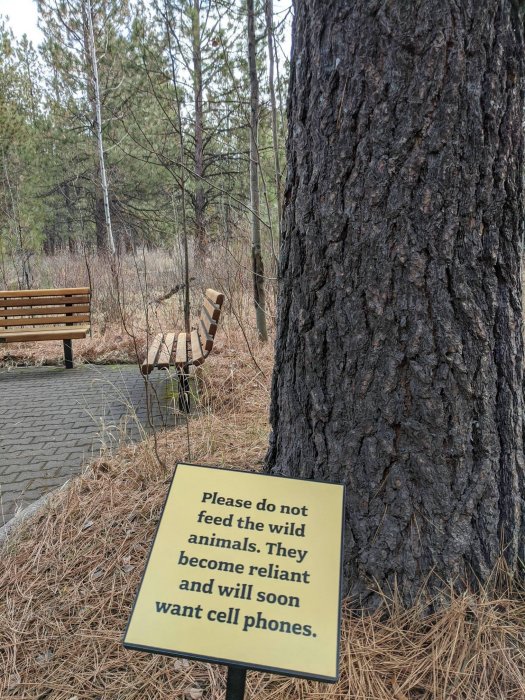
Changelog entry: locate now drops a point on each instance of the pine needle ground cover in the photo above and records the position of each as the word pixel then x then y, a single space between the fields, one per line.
pixel 68 578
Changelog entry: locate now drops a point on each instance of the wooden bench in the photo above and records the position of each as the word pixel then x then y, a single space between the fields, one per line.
pixel 190 349
pixel 45 314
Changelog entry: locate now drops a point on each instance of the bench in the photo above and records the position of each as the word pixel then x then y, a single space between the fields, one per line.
pixel 190 349
pixel 45 314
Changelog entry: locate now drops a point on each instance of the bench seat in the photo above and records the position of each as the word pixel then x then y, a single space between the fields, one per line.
pixel 21 335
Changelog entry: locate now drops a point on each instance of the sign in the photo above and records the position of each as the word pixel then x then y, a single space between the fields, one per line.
pixel 245 569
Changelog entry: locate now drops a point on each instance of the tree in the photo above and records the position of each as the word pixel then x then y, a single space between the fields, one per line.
pixel 88 13
pixel 399 356
pixel 21 144
pixel 257 259
pixel 268 13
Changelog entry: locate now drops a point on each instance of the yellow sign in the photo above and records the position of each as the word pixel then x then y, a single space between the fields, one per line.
pixel 245 569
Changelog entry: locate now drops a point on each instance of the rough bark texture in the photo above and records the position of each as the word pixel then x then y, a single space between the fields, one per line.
pixel 399 357
pixel 259 297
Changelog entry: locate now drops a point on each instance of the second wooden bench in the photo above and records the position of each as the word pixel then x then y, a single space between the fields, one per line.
pixel 190 349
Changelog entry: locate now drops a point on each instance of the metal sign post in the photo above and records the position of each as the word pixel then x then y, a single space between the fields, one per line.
pixel 235 683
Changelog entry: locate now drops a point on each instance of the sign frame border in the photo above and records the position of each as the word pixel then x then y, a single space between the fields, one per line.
pixel 232 662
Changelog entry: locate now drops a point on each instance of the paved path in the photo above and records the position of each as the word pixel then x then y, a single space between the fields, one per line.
pixel 53 420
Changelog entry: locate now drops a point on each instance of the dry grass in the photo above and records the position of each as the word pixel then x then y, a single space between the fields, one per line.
pixel 125 307
pixel 68 578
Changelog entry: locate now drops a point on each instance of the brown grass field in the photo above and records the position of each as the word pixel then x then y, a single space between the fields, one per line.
pixel 68 576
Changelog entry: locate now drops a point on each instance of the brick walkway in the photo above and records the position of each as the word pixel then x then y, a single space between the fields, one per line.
pixel 53 420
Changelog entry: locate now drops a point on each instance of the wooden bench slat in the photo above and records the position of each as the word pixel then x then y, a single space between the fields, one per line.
pixel 16 293
pixel 197 355
pixel 211 310
pixel 149 363
pixel 37 311
pixel 206 338
pixel 181 354
pixel 166 348
pixel 43 321
pixel 215 297
pixel 211 328
pixel 206 317
pixel 63 333
pixel 43 301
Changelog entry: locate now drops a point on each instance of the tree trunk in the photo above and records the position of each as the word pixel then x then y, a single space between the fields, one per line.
pixel 257 260
pixel 200 198
pixel 182 178
pixel 69 218
pixel 98 128
pixel 399 357
pixel 268 11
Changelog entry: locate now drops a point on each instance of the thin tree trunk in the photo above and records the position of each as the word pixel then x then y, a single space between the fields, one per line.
pixel 399 356
pixel 69 218
pixel 98 127
pixel 200 198
pixel 187 326
pixel 268 7
pixel 257 260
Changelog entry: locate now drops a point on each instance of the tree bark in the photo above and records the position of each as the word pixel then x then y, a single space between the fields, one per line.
pixel 268 11
pixel 200 197
pixel 98 128
pixel 399 355
pixel 257 259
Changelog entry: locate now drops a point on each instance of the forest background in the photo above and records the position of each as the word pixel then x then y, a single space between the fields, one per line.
pixel 128 129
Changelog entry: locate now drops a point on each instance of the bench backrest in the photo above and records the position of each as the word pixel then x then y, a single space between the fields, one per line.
pixel 44 307
pixel 203 336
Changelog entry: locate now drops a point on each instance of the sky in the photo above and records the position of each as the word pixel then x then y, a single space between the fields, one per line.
pixel 22 18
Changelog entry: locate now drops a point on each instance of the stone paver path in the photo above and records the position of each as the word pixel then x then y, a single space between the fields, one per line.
pixel 53 420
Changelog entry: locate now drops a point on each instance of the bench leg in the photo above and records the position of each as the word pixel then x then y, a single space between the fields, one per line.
pixel 68 353
pixel 184 390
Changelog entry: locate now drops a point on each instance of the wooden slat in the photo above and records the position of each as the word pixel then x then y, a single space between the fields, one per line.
pixel 164 359
pixel 206 338
pixel 79 309
pixel 46 321
pixel 197 355
pixel 56 334
pixel 16 293
pixel 211 310
pixel 207 320
pixel 58 329
pixel 43 301
pixel 181 354
pixel 215 297
pixel 149 363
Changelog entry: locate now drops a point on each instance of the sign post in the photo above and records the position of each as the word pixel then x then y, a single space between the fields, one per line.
pixel 235 683
pixel 244 570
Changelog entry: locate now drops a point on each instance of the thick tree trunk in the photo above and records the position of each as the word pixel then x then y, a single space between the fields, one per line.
pixel 399 357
